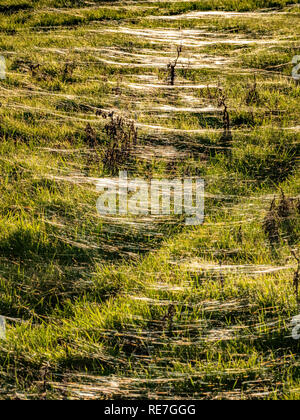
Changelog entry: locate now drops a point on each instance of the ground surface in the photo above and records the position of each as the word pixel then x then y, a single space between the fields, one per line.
pixel 147 307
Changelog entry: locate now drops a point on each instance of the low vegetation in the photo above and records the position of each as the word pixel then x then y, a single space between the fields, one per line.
pixel 140 307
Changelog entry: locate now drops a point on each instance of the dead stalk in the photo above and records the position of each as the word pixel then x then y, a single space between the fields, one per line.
pixel 296 275
pixel 122 135
pixel 226 136
pixel 172 67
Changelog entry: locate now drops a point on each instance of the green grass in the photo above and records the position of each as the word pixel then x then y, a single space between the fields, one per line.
pixel 105 308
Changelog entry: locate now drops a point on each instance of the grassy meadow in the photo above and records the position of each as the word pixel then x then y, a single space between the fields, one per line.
pixel 147 307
